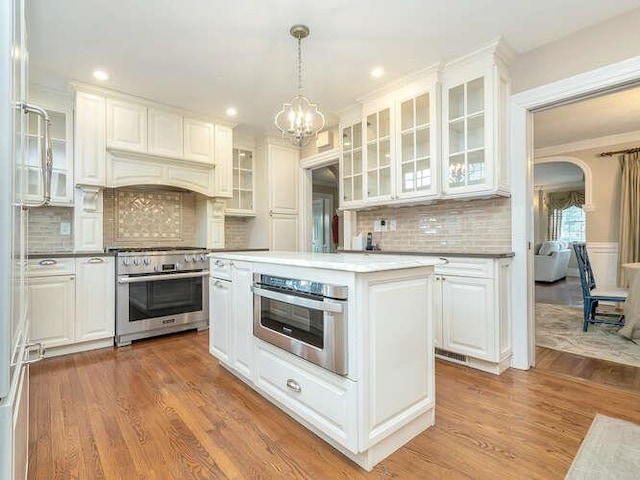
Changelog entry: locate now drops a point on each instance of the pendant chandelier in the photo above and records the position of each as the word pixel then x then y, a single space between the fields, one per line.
pixel 300 120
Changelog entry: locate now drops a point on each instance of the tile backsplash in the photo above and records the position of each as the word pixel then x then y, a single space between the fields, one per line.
pixel 474 226
pixel 45 225
pixel 236 235
pixel 141 217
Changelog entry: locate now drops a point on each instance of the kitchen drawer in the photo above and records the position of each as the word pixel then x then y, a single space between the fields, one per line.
pixel 40 267
pixel 220 268
pixel 321 398
pixel 467 267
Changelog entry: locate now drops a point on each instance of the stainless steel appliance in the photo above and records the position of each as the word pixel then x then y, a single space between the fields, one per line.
pixel 308 319
pixel 160 291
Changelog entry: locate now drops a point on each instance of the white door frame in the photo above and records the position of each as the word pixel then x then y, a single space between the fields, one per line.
pixel 307 165
pixel 521 141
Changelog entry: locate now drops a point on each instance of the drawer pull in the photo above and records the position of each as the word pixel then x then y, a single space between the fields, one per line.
pixel 95 260
pixel 445 260
pixel 293 385
pixel 219 263
pixel 47 262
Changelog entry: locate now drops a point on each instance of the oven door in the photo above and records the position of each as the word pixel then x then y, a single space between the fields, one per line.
pixel 311 327
pixel 147 302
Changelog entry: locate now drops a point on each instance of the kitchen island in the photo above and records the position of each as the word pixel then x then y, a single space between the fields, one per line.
pixel 372 334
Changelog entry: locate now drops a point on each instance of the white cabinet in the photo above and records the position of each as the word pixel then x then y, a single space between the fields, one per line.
pixel 231 315
pixel 475 93
pixel 52 309
pixel 89 139
pixel 198 140
pixel 241 204
pixel 283 232
pixel 220 318
pixel 282 177
pixel 95 298
pixel 126 126
pixel 165 133
pixel 223 149
pixel 242 315
pixel 378 155
pixel 351 164
pixel 72 303
pixel 472 312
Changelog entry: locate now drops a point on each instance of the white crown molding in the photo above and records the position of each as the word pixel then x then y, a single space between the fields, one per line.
pixel 321 159
pixel 588 144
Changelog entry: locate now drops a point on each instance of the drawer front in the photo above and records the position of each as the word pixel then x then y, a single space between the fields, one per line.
pixel 41 267
pixel 321 398
pixel 220 268
pixel 467 267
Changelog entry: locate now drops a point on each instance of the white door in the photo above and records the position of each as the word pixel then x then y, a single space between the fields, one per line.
pixel 198 140
pixel 224 161
pixel 52 308
pixel 95 298
pixel 89 140
pixel 165 133
pixel 321 223
pixel 126 126
pixel 219 319
pixel 283 179
pixel 468 316
pixel 283 232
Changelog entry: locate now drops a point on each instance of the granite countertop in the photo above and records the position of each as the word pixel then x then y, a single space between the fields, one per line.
pixel 435 254
pixel 357 263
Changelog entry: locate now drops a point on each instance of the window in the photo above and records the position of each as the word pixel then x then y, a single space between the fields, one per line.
pixel 572 225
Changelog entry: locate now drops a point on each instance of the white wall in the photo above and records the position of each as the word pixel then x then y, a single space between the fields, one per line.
pixel 612 41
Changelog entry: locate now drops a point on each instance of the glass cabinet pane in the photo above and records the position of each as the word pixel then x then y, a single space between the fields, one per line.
pixel 357 187
pixel 456 102
pixel 476 167
pixel 384 150
pixel 406 115
pixel 346 164
pixel 347 142
pixel 408 177
pixel 456 136
pixel 407 146
pixel 347 193
pixel 372 156
pixel 457 170
pixel 33 151
pixel 475 96
pixel 246 160
pixel 58 125
pixel 385 181
pixel 423 174
pixel 372 127
pixel 422 110
pixel 475 136
pixel 372 183
pixel 422 143
pixel 357 135
pixel 384 123
pixel 357 162
pixel 242 181
pixel 59 154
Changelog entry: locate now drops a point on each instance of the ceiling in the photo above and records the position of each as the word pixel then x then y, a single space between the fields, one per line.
pixel 205 55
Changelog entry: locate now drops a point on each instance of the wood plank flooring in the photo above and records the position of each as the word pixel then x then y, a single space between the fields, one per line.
pixel 164 409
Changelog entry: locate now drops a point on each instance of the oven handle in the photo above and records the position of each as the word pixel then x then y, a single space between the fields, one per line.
pixel 326 306
pixel 172 276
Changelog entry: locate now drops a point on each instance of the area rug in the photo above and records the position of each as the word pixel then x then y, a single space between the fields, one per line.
pixel 559 327
pixel 610 451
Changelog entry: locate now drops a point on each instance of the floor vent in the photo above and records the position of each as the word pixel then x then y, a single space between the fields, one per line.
pixel 453 356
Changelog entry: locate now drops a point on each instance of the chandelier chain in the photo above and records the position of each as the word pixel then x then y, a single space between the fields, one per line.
pixel 299 66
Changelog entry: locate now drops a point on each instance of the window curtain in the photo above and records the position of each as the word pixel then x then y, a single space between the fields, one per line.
pixel 629 233
pixel 556 202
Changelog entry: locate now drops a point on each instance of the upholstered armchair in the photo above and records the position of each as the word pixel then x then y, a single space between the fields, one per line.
pixel 551 261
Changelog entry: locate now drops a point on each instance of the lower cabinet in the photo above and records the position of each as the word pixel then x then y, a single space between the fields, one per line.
pixel 472 323
pixel 72 303
pixel 231 315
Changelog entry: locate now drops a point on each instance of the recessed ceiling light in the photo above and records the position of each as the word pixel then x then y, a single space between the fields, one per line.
pixel 232 112
pixel 377 72
pixel 100 75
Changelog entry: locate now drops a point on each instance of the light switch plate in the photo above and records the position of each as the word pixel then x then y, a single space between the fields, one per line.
pixel 65 228
pixel 393 224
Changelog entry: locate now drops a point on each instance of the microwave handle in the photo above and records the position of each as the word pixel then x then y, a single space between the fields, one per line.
pixel 326 306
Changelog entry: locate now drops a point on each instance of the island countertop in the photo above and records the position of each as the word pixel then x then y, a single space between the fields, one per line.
pixel 350 262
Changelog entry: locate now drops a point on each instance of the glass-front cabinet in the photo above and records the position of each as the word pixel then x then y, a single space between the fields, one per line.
pixel 62 175
pixel 378 155
pixel 242 202
pixel 351 164
pixel 417 169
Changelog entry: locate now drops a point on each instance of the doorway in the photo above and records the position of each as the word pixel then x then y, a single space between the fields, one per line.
pixel 325 231
pixel 523 106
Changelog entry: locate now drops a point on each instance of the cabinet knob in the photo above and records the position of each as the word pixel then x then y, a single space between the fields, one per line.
pixel 47 263
pixel 293 385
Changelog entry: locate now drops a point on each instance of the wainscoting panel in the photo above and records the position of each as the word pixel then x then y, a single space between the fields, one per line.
pixel 604 262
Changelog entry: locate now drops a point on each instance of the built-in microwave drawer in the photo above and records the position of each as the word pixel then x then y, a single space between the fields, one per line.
pixel 321 398
pixel 220 268
pixel 40 267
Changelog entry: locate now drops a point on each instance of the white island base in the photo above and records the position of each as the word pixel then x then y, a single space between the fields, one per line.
pixel 387 396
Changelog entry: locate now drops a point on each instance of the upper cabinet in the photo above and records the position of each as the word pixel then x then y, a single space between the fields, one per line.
pixel 198 140
pixel 126 126
pixel 443 134
pixel 165 133
pixel 475 93
pixel 241 204
pixel 122 140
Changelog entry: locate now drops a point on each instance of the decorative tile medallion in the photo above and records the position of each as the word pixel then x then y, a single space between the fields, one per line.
pixel 152 216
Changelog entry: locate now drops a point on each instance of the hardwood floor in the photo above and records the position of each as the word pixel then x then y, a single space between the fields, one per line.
pixel 164 409
pixel 563 292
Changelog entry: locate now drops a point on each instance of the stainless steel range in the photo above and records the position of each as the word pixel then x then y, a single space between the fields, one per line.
pixel 160 291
